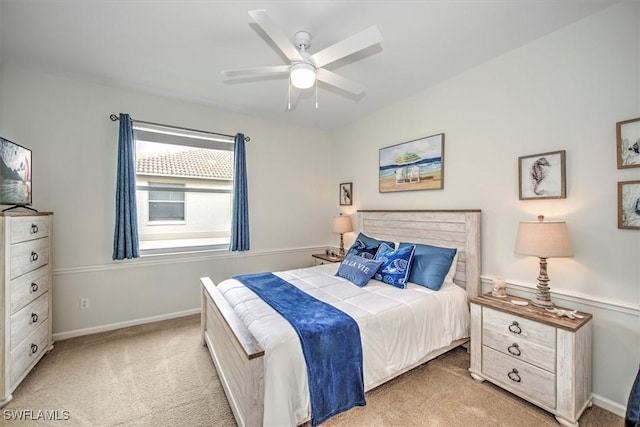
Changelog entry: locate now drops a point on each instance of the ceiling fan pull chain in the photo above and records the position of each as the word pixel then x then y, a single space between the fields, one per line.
pixel 289 96
pixel 316 95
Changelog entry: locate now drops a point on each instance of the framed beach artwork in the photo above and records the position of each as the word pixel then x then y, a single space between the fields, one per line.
pixel 628 136
pixel 629 205
pixel 346 194
pixel 542 176
pixel 413 165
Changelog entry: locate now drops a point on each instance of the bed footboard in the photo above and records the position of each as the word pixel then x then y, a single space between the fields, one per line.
pixel 237 356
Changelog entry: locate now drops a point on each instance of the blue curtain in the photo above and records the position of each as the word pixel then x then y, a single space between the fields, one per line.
pixel 125 239
pixel 632 418
pixel 240 218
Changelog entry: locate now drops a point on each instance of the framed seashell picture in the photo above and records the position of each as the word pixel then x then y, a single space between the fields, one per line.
pixel 542 176
pixel 628 143
pixel 629 205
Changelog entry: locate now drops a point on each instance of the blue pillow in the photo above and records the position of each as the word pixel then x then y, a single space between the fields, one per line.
pixel 396 265
pixel 366 246
pixel 430 264
pixel 358 270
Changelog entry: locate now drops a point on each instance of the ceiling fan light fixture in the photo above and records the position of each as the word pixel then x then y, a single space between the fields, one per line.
pixel 303 75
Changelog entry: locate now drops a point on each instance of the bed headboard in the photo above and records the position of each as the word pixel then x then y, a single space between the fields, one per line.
pixel 451 228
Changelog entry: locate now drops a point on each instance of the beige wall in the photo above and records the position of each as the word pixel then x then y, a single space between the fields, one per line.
pixel 565 91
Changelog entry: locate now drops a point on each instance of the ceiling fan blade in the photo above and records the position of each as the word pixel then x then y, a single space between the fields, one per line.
pixel 257 72
pixel 276 34
pixel 338 81
pixel 346 47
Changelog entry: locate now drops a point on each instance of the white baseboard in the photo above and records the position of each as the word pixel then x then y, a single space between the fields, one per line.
pixel 119 325
pixel 609 405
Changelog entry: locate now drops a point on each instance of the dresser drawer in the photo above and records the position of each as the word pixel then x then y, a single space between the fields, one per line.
pixel 520 377
pixel 521 348
pixel 27 320
pixel 29 228
pixel 28 287
pixel 30 350
pixel 516 326
pixel 28 256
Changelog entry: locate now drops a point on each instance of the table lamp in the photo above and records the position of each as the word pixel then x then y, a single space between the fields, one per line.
pixel 544 240
pixel 341 224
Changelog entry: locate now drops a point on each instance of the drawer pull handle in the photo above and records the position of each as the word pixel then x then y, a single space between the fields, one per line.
pixel 513 376
pixel 34 287
pixel 514 328
pixel 514 349
pixel 34 318
pixel 34 256
pixel 34 348
pixel 34 229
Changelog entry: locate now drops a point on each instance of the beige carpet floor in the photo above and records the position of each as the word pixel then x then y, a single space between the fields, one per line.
pixel 159 375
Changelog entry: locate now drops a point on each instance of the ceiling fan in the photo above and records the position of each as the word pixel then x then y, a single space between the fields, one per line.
pixel 305 69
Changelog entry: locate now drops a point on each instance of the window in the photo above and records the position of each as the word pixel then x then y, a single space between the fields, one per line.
pixel 184 181
pixel 165 204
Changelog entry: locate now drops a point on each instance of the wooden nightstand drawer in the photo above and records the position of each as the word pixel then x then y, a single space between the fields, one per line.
pixel 520 338
pixel 519 327
pixel 516 375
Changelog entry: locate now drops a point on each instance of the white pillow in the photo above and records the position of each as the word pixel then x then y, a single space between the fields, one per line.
pixel 452 269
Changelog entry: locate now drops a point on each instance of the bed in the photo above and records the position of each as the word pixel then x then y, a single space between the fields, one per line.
pixel 258 358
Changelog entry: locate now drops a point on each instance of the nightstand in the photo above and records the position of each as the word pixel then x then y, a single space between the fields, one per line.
pixel 320 259
pixel 533 353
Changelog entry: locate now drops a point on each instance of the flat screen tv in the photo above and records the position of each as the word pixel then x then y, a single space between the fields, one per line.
pixel 15 174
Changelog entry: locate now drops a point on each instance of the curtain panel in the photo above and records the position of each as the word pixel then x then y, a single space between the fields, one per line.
pixel 125 239
pixel 240 240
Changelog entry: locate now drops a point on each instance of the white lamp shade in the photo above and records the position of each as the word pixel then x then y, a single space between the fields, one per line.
pixel 341 224
pixel 303 75
pixel 543 239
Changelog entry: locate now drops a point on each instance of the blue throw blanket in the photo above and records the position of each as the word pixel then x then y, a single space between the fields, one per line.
pixel 330 342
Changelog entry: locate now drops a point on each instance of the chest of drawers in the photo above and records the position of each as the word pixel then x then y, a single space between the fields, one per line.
pixel 534 354
pixel 25 309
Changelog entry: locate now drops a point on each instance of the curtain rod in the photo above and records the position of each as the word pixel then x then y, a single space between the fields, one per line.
pixel 115 118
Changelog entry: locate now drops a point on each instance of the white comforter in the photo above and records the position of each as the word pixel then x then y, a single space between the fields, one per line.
pixel 397 327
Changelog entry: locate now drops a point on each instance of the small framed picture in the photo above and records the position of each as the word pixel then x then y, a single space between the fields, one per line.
pixel 629 205
pixel 346 194
pixel 542 176
pixel 628 136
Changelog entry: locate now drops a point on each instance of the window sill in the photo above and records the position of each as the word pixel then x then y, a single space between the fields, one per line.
pixel 179 246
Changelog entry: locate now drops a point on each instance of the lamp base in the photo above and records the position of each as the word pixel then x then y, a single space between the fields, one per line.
pixel 543 293
pixel 542 303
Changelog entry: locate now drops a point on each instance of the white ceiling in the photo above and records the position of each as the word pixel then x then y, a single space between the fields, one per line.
pixel 177 49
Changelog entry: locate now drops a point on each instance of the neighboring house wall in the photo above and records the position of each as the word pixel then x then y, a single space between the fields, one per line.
pixel 565 91
pixel 206 214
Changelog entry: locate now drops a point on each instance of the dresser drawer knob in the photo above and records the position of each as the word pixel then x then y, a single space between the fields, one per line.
pixel 513 376
pixel 34 287
pixel 514 349
pixel 514 328
pixel 34 256
pixel 34 348
pixel 34 229
pixel 34 318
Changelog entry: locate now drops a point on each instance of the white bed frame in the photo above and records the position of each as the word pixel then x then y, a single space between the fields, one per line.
pixel 238 357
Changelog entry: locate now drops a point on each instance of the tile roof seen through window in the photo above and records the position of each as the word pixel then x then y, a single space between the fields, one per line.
pixel 196 163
